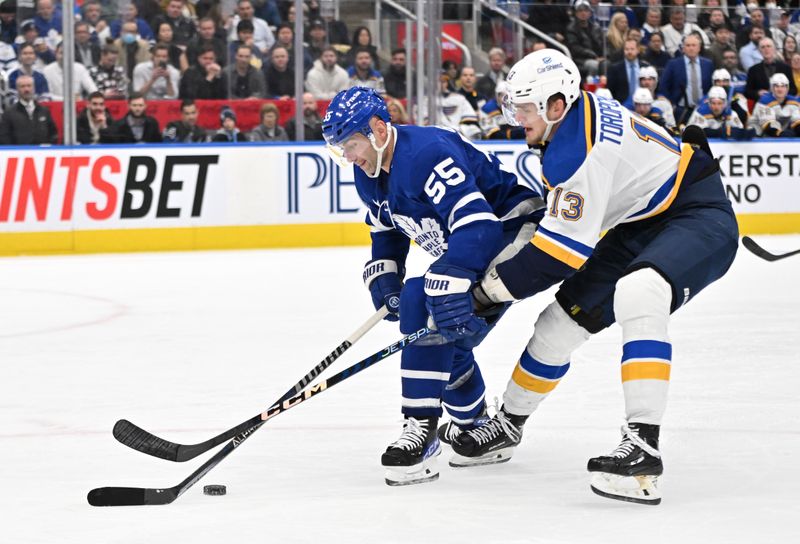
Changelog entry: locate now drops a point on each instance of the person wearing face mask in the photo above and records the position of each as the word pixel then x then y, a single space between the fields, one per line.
pixel 132 49
pixel 130 14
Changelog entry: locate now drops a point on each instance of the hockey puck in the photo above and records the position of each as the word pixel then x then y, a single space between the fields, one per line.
pixel 214 490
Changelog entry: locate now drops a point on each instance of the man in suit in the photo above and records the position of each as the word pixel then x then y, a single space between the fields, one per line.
pixel 758 75
pixel 87 52
pixel 687 78
pixel 27 122
pixel 136 127
pixel 623 76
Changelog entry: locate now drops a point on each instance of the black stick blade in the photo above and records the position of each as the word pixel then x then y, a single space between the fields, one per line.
pixel 137 438
pixel 116 496
pixel 130 496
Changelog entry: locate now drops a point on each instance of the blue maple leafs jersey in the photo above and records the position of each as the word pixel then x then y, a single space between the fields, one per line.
pixel 452 199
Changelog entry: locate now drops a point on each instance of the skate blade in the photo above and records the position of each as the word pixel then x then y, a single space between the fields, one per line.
pixel 636 489
pixel 426 471
pixel 493 458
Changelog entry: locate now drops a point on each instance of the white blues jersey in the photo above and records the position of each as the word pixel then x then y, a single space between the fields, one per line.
pixel 704 118
pixel 770 113
pixel 446 195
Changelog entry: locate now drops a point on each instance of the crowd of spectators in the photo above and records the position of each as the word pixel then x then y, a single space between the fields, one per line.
pixel 730 67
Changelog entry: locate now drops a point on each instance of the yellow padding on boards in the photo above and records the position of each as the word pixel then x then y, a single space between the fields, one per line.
pixel 645 371
pixel 526 381
pixel 184 238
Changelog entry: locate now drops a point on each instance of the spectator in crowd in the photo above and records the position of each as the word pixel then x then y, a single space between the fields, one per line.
pixel 93 123
pixel 185 129
pixel 678 29
pixel 157 79
pixel 92 15
pixel 317 38
pixel 336 29
pixel 397 112
pixel 204 79
pixel 687 78
pixel 550 17
pixel 794 63
pixel 655 55
pixel 183 27
pixel 279 74
pixel 149 10
pixel 717 120
pixel 326 78
pixel 8 21
pixel 749 55
pixel 362 74
pixel 468 89
pixel 244 32
pixel 789 47
pixel 48 19
pixel 715 20
pixel 756 18
pixel 394 78
pixel 722 42
pixel 175 54
pixel 27 122
pixel 136 127
pixel 362 39
pixel 648 79
pixel 450 68
pixel 615 37
pixel 262 34
pixel 82 83
pixel 228 132
pixel 290 18
pixel 642 101
pixel 497 72
pixel 777 113
pixel 269 11
pixel 109 77
pixel 30 36
pixel 620 6
pixel 730 61
pixel 130 14
pixel 87 51
pixel 623 76
pixel 312 122
pixel 241 79
pixel 584 40
pixel 652 23
pixel 285 38
pixel 781 30
pixel 759 75
pixel 454 111
pixel 736 101
pixel 268 129
pixel 26 60
pixel 206 37
pixel 132 49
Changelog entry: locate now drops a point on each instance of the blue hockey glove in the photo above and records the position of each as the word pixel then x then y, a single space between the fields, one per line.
pixel 449 301
pixel 382 278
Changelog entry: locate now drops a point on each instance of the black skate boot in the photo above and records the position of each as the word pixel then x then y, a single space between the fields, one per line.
pixel 450 430
pixel 411 459
pixel 492 442
pixel 630 472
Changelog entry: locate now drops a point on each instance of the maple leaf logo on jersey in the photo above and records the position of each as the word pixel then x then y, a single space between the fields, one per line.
pixel 427 234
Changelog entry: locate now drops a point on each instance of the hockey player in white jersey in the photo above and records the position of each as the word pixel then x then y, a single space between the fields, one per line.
pixel 777 113
pixel 648 79
pixel 670 232
pixel 716 118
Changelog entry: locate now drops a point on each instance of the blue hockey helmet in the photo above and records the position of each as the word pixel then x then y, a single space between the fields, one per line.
pixel 349 113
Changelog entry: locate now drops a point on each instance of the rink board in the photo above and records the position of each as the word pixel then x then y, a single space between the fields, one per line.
pixel 148 198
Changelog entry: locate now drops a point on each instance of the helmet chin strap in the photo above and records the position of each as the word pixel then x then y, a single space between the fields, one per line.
pixel 389 132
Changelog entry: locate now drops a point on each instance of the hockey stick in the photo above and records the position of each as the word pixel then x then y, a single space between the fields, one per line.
pixel 135 496
pixel 759 251
pixel 141 440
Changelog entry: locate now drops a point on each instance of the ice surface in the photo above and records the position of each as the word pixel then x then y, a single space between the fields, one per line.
pixel 189 344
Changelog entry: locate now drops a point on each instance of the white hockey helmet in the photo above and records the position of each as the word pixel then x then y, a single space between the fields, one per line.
pixel 721 75
pixel 648 71
pixel 538 77
pixel 718 92
pixel 778 79
pixel 603 92
pixel 642 96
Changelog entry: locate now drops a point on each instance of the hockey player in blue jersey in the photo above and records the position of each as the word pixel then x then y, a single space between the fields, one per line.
pixel 670 233
pixel 456 202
